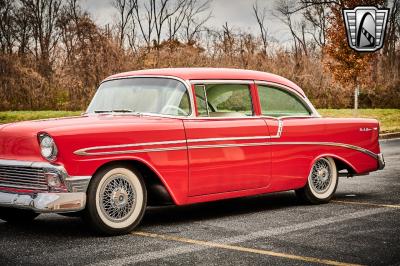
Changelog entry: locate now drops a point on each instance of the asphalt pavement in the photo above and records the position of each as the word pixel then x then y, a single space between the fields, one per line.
pixel 360 226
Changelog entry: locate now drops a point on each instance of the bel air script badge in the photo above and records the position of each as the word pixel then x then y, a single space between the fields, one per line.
pixel 365 26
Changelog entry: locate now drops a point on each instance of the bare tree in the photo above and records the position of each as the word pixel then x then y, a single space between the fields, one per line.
pixel 316 14
pixel 197 16
pixel 143 15
pixel 125 10
pixel 393 34
pixel 7 26
pixel 260 16
pixel 285 10
pixel 44 16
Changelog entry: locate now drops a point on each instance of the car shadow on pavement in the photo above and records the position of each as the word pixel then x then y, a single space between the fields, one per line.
pixel 217 209
pixel 71 227
pixel 46 225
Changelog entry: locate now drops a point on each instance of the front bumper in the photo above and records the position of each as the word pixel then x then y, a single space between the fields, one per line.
pixel 25 185
pixel 381 161
pixel 44 202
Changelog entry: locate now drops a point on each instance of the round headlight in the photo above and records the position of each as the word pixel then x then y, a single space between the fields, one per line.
pixel 48 148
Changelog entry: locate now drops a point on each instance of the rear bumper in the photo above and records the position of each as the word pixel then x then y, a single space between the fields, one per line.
pixel 381 161
pixel 45 202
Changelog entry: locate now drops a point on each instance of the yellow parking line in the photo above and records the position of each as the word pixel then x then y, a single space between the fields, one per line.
pixel 367 203
pixel 242 249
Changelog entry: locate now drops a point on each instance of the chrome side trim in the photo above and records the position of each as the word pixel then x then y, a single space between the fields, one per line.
pixel 343 145
pixel 228 139
pixel 86 151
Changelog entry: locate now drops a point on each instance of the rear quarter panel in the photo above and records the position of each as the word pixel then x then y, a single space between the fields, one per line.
pixel 304 140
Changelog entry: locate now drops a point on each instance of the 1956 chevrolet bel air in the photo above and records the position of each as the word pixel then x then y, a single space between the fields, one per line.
pixel 179 136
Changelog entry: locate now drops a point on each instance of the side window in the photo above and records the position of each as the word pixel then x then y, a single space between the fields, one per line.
pixel 224 100
pixel 277 102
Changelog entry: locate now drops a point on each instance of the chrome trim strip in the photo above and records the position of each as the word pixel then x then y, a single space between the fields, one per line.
pixel 84 153
pixel 343 145
pixel 228 139
pixel 78 178
pixel 85 150
pixel 252 144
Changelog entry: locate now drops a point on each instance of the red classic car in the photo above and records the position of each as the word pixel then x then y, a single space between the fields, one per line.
pixel 179 136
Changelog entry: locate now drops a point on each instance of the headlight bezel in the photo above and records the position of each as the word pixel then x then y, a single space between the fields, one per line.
pixel 47 142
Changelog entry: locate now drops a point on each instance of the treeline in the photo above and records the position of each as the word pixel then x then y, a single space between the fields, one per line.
pixel 53 55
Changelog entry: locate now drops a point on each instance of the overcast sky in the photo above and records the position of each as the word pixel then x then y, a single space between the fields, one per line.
pixel 238 14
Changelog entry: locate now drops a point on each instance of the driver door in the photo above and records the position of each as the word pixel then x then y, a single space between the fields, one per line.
pixel 226 142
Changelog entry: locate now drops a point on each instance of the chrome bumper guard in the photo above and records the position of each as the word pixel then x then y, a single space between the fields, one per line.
pixel 381 161
pixel 45 202
pixel 70 197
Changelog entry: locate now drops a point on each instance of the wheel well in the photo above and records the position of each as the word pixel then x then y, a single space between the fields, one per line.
pixel 157 193
pixel 342 166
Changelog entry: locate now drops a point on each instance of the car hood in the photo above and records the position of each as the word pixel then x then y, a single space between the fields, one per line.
pixel 19 140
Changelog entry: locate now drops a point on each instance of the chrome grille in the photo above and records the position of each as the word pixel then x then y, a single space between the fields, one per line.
pixel 23 177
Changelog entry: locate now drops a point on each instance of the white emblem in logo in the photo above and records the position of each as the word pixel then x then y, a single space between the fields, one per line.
pixel 365 26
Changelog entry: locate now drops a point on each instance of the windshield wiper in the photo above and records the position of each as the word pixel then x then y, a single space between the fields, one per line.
pixel 101 111
pixel 114 111
pixel 122 111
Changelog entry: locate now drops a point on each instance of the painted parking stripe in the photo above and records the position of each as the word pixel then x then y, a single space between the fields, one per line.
pixel 367 204
pixel 188 248
pixel 243 249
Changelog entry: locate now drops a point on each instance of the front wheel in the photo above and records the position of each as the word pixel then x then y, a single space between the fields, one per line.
pixel 117 200
pixel 322 182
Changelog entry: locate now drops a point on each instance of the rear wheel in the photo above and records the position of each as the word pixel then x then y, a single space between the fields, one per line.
pixel 117 200
pixel 19 216
pixel 322 182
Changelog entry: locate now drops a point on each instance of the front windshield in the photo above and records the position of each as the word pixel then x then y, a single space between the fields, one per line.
pixel 144 95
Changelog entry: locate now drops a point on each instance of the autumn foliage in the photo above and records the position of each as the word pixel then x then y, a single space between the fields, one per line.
pixel 53 55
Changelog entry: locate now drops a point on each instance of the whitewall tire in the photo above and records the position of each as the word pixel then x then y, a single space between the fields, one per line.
pixel 117 200
pixel 321 183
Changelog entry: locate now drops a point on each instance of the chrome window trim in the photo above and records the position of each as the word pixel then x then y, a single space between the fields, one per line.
pixel 221 81
pixel 302 98
pixel 227 82
pixel 186 83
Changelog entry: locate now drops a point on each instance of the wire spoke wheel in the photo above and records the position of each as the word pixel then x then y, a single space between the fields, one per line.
pixel 321 175
pixel 322 182
pixel 117 198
